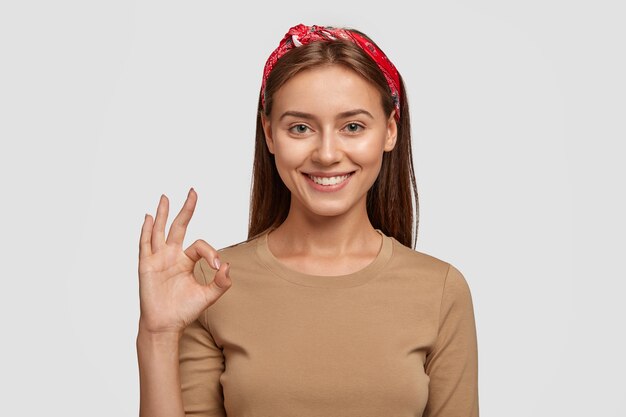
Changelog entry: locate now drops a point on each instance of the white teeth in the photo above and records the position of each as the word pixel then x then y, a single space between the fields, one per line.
pixel 329 180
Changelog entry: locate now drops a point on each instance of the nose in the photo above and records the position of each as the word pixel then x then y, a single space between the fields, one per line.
pixel 328 149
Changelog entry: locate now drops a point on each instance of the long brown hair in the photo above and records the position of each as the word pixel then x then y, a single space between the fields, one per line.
pixel 390 199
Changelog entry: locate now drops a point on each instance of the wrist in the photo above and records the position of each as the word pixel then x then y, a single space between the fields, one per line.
pixel 157 337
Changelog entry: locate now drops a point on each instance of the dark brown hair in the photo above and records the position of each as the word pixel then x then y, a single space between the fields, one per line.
pixel 390 199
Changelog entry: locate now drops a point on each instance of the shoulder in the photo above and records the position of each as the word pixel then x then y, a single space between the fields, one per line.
pixel 243 248
pixel 238 253
pixel 425 266
pixel 405 257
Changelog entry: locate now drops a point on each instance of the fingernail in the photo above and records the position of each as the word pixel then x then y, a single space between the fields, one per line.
pixel 190 190
pixel 217 263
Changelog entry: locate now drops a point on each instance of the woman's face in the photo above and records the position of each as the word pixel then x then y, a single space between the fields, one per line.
pixel 328 132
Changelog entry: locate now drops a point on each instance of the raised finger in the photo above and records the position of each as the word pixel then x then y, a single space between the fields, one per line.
pixel 178 228
pixel 158 231
pixel 200 249
pixel 145 248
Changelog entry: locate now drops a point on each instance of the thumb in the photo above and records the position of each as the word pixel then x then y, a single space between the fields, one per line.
pixel 220 284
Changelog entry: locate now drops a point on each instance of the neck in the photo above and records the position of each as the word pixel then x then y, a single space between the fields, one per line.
pixel 307 233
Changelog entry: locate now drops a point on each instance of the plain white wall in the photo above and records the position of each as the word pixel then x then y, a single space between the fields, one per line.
pixel 518 118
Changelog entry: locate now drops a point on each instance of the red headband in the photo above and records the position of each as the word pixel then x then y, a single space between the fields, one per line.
pixel 301 35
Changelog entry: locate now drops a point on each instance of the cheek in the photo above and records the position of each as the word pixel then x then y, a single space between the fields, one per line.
pixel 369 154
pixel 291 153
pixel 288 159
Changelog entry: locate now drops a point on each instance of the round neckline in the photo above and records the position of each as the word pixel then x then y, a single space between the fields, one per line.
pixel 324 281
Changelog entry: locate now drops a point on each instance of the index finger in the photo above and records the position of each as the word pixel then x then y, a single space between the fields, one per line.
pixel 200 249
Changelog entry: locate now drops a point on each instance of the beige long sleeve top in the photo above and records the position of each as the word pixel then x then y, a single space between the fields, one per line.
pixel 396 338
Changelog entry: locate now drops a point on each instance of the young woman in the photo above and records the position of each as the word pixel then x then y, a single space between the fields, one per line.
pixel 326 310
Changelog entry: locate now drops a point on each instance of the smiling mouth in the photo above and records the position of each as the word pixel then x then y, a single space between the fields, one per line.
pixel 328 181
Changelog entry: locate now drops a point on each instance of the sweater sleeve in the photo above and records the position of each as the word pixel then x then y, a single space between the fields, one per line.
pixel 452 363
pixel 201 363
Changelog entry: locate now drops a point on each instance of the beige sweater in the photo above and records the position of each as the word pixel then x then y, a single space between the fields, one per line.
pixel 394 339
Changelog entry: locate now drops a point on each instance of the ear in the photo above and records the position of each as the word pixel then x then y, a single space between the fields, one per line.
pixel 267 130
pixel 392 132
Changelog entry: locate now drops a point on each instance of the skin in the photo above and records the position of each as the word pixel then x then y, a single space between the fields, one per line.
pixel 170 299
pixel 324 233
pixel 327 233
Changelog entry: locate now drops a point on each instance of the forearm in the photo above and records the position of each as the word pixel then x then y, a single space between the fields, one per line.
pixel 159 376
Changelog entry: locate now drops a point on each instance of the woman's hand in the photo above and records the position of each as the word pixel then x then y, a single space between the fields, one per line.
pixel 170 296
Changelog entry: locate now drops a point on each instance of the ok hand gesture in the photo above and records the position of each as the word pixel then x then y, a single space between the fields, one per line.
pixel 170 296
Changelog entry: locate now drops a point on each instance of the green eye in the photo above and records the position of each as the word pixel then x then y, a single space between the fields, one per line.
pixel 300 129
pixel 353 127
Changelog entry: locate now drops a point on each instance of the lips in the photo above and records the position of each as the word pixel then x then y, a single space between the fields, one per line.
pixel 329 179
pixel 328 182
pixel 334 180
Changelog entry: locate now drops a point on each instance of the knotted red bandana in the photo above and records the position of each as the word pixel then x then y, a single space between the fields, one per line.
pixel 301 35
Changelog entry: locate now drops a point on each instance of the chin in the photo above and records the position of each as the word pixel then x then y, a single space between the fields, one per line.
pixel 328 209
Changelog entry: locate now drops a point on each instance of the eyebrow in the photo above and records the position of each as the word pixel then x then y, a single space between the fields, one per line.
pixel 342 115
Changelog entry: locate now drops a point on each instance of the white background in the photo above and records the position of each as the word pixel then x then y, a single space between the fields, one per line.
pixel 518 122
